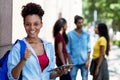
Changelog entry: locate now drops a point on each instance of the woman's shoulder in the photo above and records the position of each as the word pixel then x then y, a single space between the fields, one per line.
pixel 46 42
pixel 58 35
pixel 102 38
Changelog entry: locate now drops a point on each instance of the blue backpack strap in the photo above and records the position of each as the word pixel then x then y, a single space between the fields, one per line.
pixel 22 50
pixel 3 68
pixel 22 47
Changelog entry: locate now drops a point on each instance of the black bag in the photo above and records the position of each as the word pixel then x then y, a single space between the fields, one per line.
pixel 93 66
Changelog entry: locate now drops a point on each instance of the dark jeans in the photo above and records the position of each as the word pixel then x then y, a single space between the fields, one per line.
pixel 65 77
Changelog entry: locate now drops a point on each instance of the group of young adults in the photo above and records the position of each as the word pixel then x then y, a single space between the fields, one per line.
pixel 72 48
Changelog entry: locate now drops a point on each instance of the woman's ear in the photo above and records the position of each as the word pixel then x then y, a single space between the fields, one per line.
pixel 41 24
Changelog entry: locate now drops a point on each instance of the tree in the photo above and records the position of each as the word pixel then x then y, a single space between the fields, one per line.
pixel 108 11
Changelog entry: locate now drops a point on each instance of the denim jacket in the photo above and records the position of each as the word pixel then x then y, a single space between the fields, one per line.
pixel 31 69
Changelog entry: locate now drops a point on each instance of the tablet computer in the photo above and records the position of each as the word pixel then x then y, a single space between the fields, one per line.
pixel 63 66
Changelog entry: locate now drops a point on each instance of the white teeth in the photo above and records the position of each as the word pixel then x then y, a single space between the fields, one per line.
pixel 32 32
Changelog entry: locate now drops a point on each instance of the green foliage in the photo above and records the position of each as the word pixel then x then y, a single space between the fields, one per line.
pixel 116 42
pixel 107 10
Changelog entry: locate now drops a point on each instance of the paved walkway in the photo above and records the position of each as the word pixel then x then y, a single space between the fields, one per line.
pixel 114 63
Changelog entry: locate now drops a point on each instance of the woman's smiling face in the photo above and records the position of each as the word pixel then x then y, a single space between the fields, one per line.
pixel 32 24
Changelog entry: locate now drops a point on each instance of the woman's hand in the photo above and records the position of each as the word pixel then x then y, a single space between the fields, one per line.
pixel 60 71
pixel 17 69
pixel 57 73
pixel 27 54
pixel 87 64
pixel 96 74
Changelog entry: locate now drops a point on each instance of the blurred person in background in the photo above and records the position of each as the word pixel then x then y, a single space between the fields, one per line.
pixel 99 66
pixel 79 49
pixel 60 41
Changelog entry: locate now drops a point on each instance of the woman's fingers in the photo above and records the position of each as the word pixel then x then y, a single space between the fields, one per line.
pixel 27 53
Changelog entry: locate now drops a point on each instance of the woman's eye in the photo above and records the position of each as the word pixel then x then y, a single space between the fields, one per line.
pixel 27 24
pixel 36 24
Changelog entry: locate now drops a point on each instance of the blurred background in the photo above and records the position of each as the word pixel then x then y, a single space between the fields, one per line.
pixel 93 11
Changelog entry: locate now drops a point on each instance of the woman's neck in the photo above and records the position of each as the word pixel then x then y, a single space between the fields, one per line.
pixel 61 32
pixel 32 40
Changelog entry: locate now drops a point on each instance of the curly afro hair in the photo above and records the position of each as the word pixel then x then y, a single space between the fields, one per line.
pixel 32 8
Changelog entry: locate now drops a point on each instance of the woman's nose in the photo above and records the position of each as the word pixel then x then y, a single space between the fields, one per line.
pixel 32 27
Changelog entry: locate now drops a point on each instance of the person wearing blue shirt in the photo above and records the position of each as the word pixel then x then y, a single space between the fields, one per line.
pixel 39 55
pixel 79 49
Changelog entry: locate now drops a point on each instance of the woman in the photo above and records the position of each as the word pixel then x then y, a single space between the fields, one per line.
pixel 39 54
pixel 99 67
pixel 60 41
